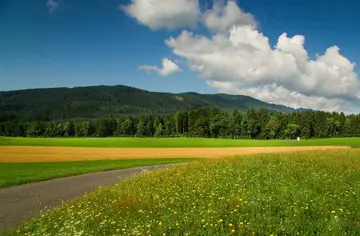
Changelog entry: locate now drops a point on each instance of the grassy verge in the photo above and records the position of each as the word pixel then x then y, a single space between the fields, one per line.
pixel 19 173
pixel 304 193
pixel 171 142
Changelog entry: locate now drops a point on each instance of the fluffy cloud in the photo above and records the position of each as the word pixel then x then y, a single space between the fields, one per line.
pixel 168 67
pixel 238 58
pixel 280 95
pixel 222 17
pixel 169 14
pixel 243 62
pixel 51 5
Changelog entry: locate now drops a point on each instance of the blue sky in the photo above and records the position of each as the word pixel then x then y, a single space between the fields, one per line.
pixel 80 43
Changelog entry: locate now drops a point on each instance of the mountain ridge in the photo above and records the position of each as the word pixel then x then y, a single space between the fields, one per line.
pixel 117 100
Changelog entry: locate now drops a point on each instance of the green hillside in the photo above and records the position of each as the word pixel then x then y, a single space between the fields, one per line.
pixel 104 101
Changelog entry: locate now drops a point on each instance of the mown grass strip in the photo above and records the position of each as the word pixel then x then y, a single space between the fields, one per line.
pixel 20 173
pixel 172 142
pixel 303 193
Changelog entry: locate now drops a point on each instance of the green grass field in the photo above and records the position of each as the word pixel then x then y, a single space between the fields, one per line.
pixel 19 173
pixel 171 142
pixel 303 193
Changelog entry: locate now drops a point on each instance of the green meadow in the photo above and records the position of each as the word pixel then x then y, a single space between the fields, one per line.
pixel 172 142
pixel 301 193
pixel 20 173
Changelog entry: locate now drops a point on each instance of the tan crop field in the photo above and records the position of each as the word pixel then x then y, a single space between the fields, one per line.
pixel 55 154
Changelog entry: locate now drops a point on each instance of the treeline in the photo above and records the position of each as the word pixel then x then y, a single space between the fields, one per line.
pixel 252 124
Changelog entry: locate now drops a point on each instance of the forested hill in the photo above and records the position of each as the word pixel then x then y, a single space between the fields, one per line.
pixel 104 101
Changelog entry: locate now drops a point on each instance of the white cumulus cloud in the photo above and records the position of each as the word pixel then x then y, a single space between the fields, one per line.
pixel 280 95
pixel 168 67
pixel 169 14
pixel 51 5
pixel 243 62
pixel 223 16
pixel 237 58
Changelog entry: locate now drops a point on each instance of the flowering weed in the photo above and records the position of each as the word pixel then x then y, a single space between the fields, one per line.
pixel 303 193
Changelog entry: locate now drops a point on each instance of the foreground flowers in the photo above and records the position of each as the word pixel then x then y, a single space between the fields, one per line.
pixel 303 193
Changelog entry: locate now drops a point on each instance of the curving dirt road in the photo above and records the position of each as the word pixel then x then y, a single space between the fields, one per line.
pixel 23 202
pixel 42 154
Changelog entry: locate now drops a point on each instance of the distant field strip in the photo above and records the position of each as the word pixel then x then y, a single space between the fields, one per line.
pixel 173 142
pixel 50 154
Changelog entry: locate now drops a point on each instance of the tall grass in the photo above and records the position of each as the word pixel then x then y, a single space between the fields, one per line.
pixel 304 193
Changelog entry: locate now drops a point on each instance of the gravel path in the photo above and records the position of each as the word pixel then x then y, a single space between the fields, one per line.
pixel 23 202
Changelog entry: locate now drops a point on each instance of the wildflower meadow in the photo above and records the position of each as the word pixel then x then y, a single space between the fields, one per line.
pixel 300 193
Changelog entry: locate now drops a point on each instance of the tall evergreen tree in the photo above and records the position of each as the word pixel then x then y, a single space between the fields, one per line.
pixel 159 131
pixel 140 129
pixel 127 127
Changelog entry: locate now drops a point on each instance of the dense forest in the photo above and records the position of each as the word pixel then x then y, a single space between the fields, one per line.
pixel 107 101
pixel 251 124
